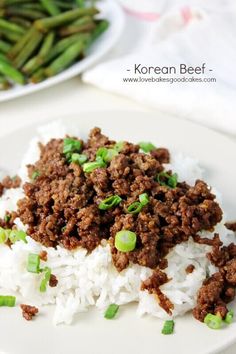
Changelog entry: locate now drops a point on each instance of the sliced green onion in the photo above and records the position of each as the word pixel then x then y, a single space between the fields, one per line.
pixel 125 241
pixel 144 199
pixel 110 202
pixel 106 154
pixel 33 265
pixel 119 146
pixel 17 235
pixel 213 321
pixel 229 317
pixel 160 178
pixel 134 208
pixel 79 159
pixel 168 327
pixel 7 300
pixel 90 166
pixel 12 235
pixel 101 152
pixel 147 146
pixel 71 145
pixel 111 311
pixel 44 282
pixel 110 154
pixel 4 234
pixel 35 175
pixel 171 181
pixel 7 218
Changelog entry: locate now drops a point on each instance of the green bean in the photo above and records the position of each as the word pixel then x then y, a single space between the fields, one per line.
pixel 4 58
pixel 80 3
pixel 29 48
pixel 59 48
pixel 11 36
pixel 4 84
pixel 65 59
pixel 102 26
pixel 34 63
pixel 80 20
pixel 50 7
pixel 12 2
pixel 21 43
pixel 47 44
pixel 4 46
pixel 51 22
pixel 84 24
pixel 26 13
pixel 38 76
pixel 31 43
pixel 20 21
pixel 64 44
pixel 33 6
pixel 64 5
pixel 12 27
pixel 10 72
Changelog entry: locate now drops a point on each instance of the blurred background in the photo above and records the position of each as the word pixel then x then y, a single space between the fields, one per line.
pixel 159 33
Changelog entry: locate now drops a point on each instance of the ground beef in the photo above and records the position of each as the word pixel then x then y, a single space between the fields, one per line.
pixel 61 203
pixel 152 285
pixel 11 182
pixel 1 189
pixel 146 163
pixel 231 226
pixel 8 221
pixel 43 256
pixel 230 272
pixel 53 281
pixel 163 263
pixel 229 294
pixel 215 241
pixel 190 268
pixel 129 148
pixel 209 297
pixel 161 154
pixel 28 312
pixel 121 187
pixel 61 207
pixel 219 289
pixel 100 180
pixel 119 167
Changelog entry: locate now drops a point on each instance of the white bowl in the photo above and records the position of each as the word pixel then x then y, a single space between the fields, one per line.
pixel 114 14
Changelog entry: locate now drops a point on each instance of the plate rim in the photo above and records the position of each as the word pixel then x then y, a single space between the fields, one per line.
pixel 192 124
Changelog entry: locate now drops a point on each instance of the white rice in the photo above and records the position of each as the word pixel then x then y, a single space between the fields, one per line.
pixel 86 280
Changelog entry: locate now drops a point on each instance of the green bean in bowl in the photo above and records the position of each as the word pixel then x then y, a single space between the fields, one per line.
pixel 41 38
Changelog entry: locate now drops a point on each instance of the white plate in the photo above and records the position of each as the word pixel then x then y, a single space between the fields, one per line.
pixel 91 334
pixel 114 14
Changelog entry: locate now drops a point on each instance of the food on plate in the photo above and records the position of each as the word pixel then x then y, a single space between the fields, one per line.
pixel 28 312
pixel 98 222
pixel 39 39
